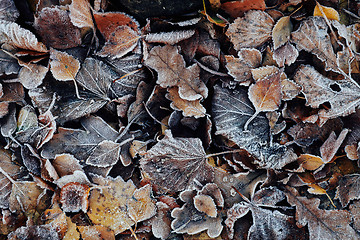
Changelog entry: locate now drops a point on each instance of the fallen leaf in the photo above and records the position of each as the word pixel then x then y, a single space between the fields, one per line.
pixel 310 162
pixel 176 74
pixel 105 154
pixel 96 232
pixel 74 197
pixel 141 206
pixel 332 224
pixel 205 204
pixel 332 145
pixel 80 14
pixel 251 31
pixel 11 33
pixel 34 232
pixel 24 196
pixel 189 108
pixel 240 68
pixel 8 11
pixel 238 8
pixel 348 189
pixel 66 164
pixel 230 111
pixel 174 164
pixel 329 12
pixel 32 75
pixel 341 94
pixel 312 37
pixel 169 37
pixel 63 66
pixel 286 54
pixel 66 35
pixel 281 32
pixel 9 65
pixel 355 212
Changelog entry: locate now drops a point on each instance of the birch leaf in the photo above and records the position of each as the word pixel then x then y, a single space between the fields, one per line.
pixel 63 66
pixel 80 14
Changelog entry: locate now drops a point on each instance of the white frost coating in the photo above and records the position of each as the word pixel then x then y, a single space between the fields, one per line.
pixel 169 37
pixel 77 176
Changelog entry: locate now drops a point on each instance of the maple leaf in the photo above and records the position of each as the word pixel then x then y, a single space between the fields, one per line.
pixel 231 110
pixel 251 31
pixel 312 37
pixel 110 206
pixel 341 94
pixel 174 164
pixel 322 224
pixel 170 66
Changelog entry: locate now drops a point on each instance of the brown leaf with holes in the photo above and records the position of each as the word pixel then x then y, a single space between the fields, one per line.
pixel 63 66
pixel 189 108
pixel 251 31
pixel 172 72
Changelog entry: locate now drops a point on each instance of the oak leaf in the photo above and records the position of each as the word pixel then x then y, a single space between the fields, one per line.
pixel 172 72
pixel 174 164
pixel 342 94
pixel 251 31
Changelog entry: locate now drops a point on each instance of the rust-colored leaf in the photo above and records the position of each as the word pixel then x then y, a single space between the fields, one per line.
pixel 238 8
pixel 63 66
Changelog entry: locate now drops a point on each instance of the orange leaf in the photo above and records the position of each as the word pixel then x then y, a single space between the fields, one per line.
pixel 310 162
pixel 238 8
pixel 329 12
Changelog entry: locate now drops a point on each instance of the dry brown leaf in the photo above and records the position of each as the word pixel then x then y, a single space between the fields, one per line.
pixel 11 33
pixel 312 37
pixel 240 68
pixel 238 8
pixel 66 34
pixel 174 164
pixel 108 22
pixel 80 14
pixel 265 95
pixel 141 206
pixel 322 224
pixel 348 189
pixel 66 164
pixel 172 72
pixel 310 162
pixel 250 31
pixel 96 232
pixel 332 145
pixel 74 197
pixel 281 32
pixel 169 37
pixel 122 41
pixel 205 204
pixel 286 54
pixel 342 94
pixel 63 66
pixel 24 196
pixel 189 108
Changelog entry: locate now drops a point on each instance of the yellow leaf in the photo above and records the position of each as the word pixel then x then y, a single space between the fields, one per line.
pixel 329 12
pixel 310 162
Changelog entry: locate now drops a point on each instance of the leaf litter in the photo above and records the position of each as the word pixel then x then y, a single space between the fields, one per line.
pixel 238 122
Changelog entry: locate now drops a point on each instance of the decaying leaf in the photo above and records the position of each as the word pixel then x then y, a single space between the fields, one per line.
pixel 105 154
pixel 322 224
pixel 63 66
pixel 74 197
pixel 312 37
pixel 80 14
pixel 230 111
pixel 24 196
pixel 8 64
pixel 238 8
pixel 250 31
pixel 66 35
pixel 174 164
pixel 169 37
pixel 341 94
pixel 281 32
pixel 110 205
pixel 240 68
pixel 286 54
pixel 348 189
pixel 329 12
pixel 191 87
pixel 189 108
pixel 96 232
pixel 332 145
pixel 122 41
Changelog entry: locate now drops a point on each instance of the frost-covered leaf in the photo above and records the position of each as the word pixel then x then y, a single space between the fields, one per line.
pixel 286 54
pixel 172 72
pixel 348 189
pixel 32 75
pixel 189 108
pixel 80 14
pixel 141 206
pixel 96 232
pixel 74 197
pixel 79 143
pixel 106 154
pixel 169 37
pixel 8 64
pixel 122 41
pixel 96 77
pixel 34 232
pixel 230 111
pixel 322 224
pixel 327 12
pixel 11 33
pixel 332 145
pixel 66 34
pixel 240 68
pixel 205 204
pixel 24 196
pixel 251 31
pixel 63 66
pixel 174 164
pixel 281 32
pixel 191 221
pixel 66 164
pixel 342 95
pixel 8 10
pixel 312 36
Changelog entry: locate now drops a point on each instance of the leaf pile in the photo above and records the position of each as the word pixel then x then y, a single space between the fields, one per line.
pixel 241 121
